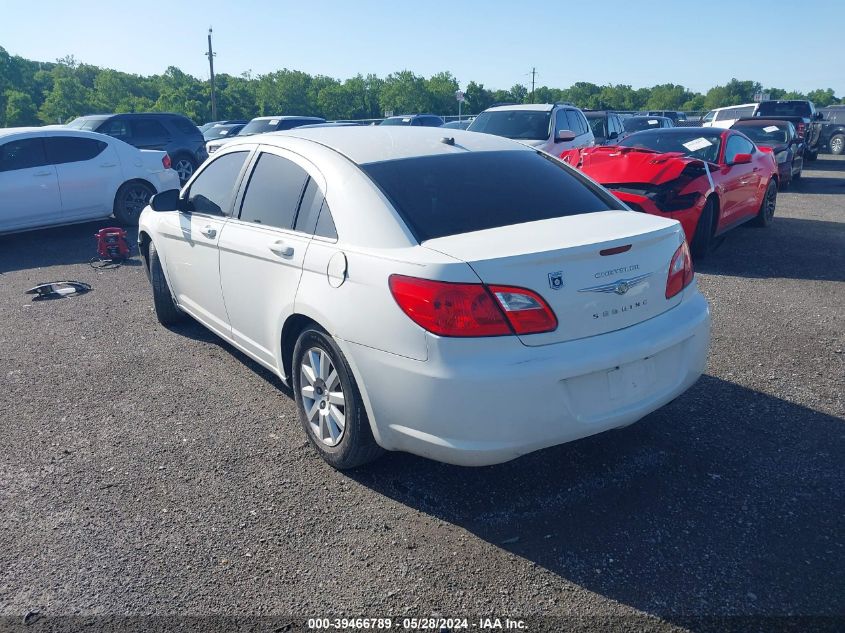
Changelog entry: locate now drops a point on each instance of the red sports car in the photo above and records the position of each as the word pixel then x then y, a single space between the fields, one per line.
pixel 709 179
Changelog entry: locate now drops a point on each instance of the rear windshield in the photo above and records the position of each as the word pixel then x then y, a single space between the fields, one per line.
pixel 83 123
pixel 529 125
pixel 786 108
pixel 697 143
pixel 635 124
pixel 399 120
pixel 259 126
pixel 769 134
pixel 461 193
pixel 221 131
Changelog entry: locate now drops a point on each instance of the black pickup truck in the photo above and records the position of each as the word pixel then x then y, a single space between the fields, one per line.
pixel 832 126
pixel 803 116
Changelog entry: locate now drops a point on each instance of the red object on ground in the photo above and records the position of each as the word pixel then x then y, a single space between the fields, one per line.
pixel 111 243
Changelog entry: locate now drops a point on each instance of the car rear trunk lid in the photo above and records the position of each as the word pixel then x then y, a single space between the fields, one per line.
pixel 599 272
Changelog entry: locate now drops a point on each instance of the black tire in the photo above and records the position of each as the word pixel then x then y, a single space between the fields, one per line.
pixel 767 206
pixel 811 156
pixel 185 166
pixel 837 144
pixel 702 240
pixel 130 200
pixel 356 445
pixel 798 175
pixel 167 312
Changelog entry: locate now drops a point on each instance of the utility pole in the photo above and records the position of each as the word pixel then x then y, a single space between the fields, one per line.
pixel 211 55
pixel 533 75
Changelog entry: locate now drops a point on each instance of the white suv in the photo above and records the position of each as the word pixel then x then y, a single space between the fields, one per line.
pixel 550 127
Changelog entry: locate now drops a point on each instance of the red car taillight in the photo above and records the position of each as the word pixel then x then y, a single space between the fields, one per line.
pixel 680 271
pixel 166 161
pixel 457 309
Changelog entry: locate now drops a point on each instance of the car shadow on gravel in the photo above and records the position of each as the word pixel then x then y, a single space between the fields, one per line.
pixel 59 246
pixel 700 509
pixel 826 164
pixel 790 248
pixel 195 331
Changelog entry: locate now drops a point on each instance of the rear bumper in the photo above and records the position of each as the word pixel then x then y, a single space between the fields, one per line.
pixel 476 402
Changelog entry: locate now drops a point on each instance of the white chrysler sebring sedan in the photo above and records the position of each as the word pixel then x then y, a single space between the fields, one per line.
pixel 456 295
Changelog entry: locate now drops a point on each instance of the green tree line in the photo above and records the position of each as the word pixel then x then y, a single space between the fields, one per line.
pixel 33 93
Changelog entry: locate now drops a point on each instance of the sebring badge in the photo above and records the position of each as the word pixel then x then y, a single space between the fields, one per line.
pixel 556 280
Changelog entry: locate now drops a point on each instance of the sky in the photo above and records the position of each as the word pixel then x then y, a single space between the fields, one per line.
pixel 698 44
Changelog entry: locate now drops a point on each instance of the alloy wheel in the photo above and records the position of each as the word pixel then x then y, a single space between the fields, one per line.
pixel 184 168
pixel 771 202
pixel 836 145
pixel 322 396
pixel 135 199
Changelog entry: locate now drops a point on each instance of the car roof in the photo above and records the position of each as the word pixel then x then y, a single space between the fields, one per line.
pixel 649 116
pixel 536 107
pixel 709 131
pixel 54 130
pixel 759 121
pixel 596 113
pixel 287 117
pixel 376 143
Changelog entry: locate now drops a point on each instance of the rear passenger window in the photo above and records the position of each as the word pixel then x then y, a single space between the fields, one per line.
pixel 214 189
pixel 309 209
pixel 325 225
pixel 117 128
pixel 274 191
pixel 22 154
pixel 148 128
pixel 184 125
pixel 69 149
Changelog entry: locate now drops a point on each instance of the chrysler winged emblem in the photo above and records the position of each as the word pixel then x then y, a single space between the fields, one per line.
pixel 620 286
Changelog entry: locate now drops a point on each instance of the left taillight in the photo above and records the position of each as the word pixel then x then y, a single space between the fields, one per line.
pixel 471 310
pixel 166 162
pixel 680 271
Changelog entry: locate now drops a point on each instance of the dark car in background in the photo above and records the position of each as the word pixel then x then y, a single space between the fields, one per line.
pixel 832 129
pixel 639 123
pixel 221 130
pixel 206 126
pixel 422 120
pixel 802 114
pixel 173 133
pixel 458 125
pixel 781 137
pixel 676 116
pixel 607 126
pixel 262 124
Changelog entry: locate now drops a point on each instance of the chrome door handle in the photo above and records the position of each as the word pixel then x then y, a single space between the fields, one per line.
pixel 209 232
pixel 281 249
pixel 41 174
pixel 105 165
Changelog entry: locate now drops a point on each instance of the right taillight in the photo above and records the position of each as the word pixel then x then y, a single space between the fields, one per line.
pixel 680 271
pixel 466 310
pixel 165 161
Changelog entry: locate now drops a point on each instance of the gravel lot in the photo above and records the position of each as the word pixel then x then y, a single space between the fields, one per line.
pixel 145 471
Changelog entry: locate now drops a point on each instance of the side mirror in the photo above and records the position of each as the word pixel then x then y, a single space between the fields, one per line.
pixel 818 116
pixel 612 136
pixel 741 159
pixel 166 201
pixel 564 136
